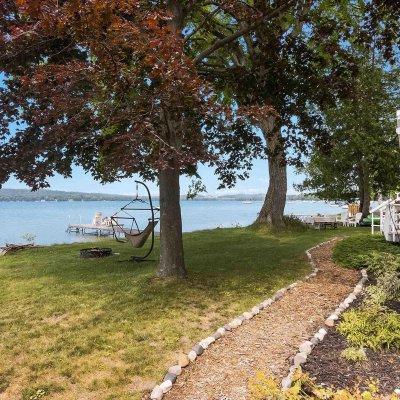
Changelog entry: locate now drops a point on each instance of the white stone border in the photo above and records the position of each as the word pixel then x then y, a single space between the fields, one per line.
pixel 175 370
pixel 306 347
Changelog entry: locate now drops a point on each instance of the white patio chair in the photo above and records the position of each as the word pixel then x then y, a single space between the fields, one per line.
pixel 354 221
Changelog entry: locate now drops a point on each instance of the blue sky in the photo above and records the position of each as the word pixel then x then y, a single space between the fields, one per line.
pixel 81 182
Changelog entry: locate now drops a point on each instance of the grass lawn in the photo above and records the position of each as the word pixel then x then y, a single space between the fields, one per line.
pixel 354 250
pixel 74 328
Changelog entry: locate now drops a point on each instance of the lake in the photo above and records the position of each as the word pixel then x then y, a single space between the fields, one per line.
pixel 48 220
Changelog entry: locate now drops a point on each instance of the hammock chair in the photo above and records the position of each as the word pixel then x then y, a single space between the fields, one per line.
pixel 134 235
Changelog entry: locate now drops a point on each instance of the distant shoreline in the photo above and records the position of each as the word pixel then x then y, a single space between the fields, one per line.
pixel 9 195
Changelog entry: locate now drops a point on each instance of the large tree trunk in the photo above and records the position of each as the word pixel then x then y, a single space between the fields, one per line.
pixel 366 203
pixel 172 263
pixel 273 208
pixel 364 189
pixel 366 200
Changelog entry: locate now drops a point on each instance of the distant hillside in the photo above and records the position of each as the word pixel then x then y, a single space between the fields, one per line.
pixel 57 195
pixel 53 195
pixel 252 197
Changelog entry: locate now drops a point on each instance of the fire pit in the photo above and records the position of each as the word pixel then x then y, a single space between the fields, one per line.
pixel 96 252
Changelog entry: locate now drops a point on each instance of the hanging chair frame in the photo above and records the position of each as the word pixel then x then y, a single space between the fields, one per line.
pixel 118 226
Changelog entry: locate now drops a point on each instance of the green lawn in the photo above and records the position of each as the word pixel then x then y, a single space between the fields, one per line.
pixel 355 250
pixel 103 329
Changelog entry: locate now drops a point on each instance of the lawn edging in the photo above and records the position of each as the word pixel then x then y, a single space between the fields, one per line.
pixel 175 370
pixel 305 348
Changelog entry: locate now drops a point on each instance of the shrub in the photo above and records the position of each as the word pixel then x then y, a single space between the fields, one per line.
pixel 375 297
pixel 262 387
pixel 294 224
pixel 385 268
pixel 372 328
pixel 354 354
pixel 381 262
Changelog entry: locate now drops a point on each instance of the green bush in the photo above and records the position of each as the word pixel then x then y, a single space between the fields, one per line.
pixel 354 354
pixel 385 268
pixel 372 328
pixel 375 297
pixel 372 325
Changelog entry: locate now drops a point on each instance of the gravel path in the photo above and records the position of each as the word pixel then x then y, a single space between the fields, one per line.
pixel 269 340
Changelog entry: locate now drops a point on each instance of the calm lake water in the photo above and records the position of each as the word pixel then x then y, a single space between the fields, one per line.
pixel 48 220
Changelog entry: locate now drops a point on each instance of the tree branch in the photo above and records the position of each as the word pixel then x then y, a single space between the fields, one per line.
pixel 206 18
pixel 222 42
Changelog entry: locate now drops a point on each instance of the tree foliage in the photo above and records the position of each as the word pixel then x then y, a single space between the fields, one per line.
pixel 108 85
pixel 362 152
pixel 298 61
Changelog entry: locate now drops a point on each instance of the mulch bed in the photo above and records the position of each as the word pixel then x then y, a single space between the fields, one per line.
pixel 328 368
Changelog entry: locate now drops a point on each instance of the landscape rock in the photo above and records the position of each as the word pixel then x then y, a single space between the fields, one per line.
pixel 357 290
pixel 192 356
pixel 305 347
pixel 227 327
pixel 221 331
pixel 209 340
pixel 169 377
pixel 329 322
pixel 198 349
pixel 279 294
pixel 175 369
pixel 183 360
pixel 166 386
pixel 239 320
pixel 320 334
pixel 217 335
pixel 267 302
pixel 286 383
pixel 204 344
pixel 255 310
pixel 247 315
pixel 314 341
pixel 235 323
pixel 299 358
pixel 157 393
pixel 351 297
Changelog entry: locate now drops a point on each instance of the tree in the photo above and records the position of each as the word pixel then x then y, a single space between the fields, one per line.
pixel 298 62
pixel 107 85
pixel 362 156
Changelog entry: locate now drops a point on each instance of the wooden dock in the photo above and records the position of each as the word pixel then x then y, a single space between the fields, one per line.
pixel 96 230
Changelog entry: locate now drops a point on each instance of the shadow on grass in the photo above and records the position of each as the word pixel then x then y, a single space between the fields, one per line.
pixel 66 317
